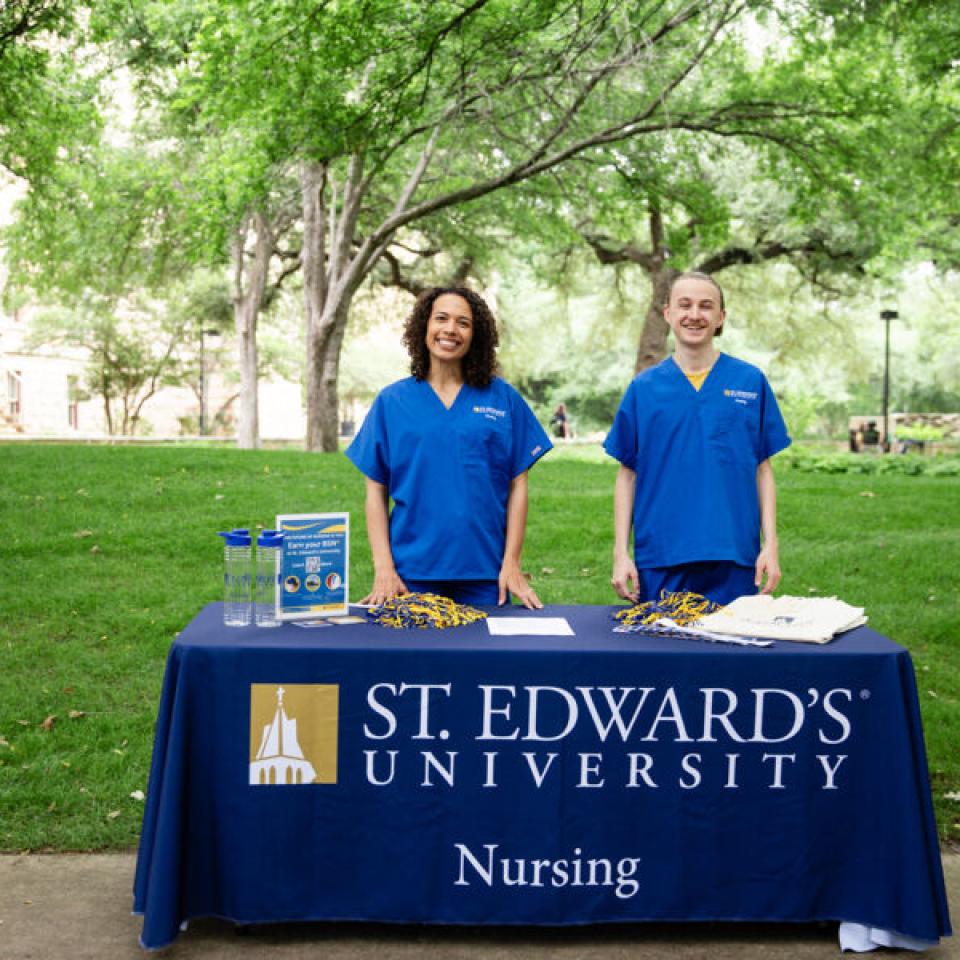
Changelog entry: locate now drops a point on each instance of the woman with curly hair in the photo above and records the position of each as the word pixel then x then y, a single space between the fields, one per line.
pixel 451 446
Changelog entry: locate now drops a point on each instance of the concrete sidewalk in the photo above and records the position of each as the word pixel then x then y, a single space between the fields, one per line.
pixel 77 907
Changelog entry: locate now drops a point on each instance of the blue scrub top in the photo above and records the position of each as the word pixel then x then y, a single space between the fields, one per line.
pixel 448 473
pixel 696 454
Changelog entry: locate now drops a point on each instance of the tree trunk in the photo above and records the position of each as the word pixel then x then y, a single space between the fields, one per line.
pixel 313 179
pixel 107 410
pixel 652 347
pixel 249 288
pixel 248 419
pixel 653 338
pixel 332 274
pixel 125 429
pixel 324 342
pixel 330 280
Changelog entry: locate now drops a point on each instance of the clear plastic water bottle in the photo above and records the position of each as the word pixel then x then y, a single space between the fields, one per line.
pixel 237 563
pixel 269 551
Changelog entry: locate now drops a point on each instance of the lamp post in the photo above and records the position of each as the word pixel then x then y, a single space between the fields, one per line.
pixel 204 333
pixel 886 316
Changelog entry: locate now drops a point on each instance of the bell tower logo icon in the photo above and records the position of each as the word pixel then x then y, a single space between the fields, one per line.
pixel 293 733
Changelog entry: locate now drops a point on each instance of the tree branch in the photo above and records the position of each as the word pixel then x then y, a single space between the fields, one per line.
pixel 608 251
pixel 537 162
pixel 21 17
pixel 808 249
pixel 398 279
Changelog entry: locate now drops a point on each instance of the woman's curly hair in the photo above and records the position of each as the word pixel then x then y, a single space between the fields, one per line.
pixel 480 363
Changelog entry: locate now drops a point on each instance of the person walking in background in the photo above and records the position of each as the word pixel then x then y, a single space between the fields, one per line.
pixel 451 446
pixel 694 436
pixel 560 423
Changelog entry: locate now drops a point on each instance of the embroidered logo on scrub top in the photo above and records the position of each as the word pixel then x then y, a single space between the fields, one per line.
pixel 491 413
pixel 741 396
pixel 293 733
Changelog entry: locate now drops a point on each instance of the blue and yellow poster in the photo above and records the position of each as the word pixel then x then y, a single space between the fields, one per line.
pixel 315 565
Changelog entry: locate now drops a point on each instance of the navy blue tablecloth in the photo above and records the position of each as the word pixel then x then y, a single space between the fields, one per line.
pixel 355 772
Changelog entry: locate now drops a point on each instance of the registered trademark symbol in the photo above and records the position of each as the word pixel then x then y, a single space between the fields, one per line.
pixel 864 694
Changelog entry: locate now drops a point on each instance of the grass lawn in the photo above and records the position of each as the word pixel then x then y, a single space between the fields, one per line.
pixel 109 551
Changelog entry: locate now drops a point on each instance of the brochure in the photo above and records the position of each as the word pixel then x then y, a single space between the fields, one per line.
pixel 314 566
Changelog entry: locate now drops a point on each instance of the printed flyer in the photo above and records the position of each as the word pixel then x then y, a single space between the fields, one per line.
pixel 315 565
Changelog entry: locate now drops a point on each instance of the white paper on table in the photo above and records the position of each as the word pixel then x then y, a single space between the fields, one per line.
pixel 529 626
pixel 698 634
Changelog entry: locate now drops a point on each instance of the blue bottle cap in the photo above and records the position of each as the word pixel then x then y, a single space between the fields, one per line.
pixel 270 538
pixel 236 538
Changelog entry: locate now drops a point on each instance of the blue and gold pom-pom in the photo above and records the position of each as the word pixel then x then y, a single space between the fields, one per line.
pixel 680 606
pixel 422 610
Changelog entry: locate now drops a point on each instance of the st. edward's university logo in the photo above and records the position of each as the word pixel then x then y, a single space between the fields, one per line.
pixel 293 733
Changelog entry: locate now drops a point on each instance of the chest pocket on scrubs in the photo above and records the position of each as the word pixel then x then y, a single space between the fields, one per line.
pixel 485 447
pixel 733 434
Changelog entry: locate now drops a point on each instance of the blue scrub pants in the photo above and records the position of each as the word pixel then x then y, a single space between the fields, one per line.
pixel 475 593
pixel 719 580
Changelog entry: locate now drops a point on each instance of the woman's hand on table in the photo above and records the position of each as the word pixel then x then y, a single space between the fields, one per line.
pixel 386 586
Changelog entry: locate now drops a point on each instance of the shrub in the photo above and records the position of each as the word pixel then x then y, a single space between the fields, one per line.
pixel 809 461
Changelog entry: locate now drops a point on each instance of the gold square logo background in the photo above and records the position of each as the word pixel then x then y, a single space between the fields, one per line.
pixel 315 707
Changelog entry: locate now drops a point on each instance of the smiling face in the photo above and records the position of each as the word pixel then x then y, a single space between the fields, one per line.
pixel 694 312
pixel 449 329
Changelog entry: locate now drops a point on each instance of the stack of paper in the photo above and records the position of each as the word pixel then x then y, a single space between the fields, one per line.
pixel 805 619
